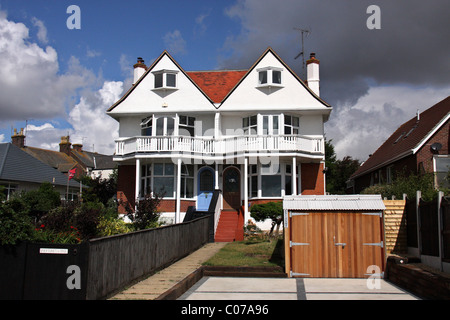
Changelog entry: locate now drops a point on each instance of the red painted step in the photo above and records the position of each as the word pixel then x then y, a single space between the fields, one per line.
pixel 229 227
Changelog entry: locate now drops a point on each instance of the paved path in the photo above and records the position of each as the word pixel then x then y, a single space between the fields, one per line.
pixel 157 284
pixel 218 288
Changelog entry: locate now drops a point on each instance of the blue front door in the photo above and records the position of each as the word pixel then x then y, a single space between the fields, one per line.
pixel 205 188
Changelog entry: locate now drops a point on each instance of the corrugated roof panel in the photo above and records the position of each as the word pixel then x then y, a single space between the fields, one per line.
pixel 334 202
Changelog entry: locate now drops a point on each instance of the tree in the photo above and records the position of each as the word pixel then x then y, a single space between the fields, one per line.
pixel 270 210
pixel 338 171
pixel 101 190
pixel 146 215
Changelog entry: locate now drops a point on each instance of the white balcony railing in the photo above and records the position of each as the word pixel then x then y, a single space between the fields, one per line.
pixel 225 145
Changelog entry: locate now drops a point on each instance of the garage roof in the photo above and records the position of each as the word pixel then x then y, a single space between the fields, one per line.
pixel 334 202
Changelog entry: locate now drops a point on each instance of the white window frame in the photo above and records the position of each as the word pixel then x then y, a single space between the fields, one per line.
pixel 269 71
pixel 164 85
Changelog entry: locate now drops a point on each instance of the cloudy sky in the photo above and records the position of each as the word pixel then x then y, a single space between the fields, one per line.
pixel 60 81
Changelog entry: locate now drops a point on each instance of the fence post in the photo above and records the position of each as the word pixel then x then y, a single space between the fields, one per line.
pixel 440 226
pixel 419 237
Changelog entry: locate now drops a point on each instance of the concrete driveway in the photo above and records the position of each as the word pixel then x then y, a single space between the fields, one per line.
pixel 225 288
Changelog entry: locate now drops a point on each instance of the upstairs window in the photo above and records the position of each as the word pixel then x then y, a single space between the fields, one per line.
pixel 250 125
pixel 269 76
pixel 186 126
pixel 291 125
pixel 146 126
pixel 165 79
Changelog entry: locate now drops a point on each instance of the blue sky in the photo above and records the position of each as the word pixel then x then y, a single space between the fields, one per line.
pixel 61 81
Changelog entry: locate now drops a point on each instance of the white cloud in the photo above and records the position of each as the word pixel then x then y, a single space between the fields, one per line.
pixel 42 30
pixel 174 42
pixel 88 123
pixel 2 137
pixel 359 129
pixel 31 85
pixel 91 125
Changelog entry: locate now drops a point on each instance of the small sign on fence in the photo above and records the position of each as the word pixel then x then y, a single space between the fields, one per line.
pixel 53 251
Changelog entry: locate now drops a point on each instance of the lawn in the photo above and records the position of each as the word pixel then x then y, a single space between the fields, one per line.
pixel 250 253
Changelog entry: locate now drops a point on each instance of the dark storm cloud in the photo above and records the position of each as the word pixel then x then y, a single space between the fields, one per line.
pixel 374 79
pixel 412 46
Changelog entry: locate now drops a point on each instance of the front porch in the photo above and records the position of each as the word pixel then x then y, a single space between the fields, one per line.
pixel 243 181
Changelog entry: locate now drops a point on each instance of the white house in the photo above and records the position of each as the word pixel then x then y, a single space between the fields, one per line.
pixel 256 135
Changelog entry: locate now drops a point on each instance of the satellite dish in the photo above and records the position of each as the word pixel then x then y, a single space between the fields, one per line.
pixel 435 147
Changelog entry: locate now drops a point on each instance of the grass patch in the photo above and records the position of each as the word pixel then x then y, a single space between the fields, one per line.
pixel 249 253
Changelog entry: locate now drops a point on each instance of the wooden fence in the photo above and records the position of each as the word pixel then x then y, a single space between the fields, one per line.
pixel 116 261
pixel 395 226
pixel 428 230
pixel 105 266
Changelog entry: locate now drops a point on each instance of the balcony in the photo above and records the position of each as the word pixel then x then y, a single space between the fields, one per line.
pixel 220 147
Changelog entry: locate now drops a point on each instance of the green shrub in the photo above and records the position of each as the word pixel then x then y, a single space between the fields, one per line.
pixel 109 227
pixel 408 185
pixel 14 226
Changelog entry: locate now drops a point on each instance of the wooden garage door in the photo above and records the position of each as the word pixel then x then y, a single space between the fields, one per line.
pixel 335 245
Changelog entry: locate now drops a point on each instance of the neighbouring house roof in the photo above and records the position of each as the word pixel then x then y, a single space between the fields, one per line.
pixel 94 160
pixel 408 138
pixel 17 165
pixel 334 203
pixel 55 159
pixel 217 84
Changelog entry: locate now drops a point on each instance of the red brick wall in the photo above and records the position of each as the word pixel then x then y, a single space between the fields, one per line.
pixel 312 179
pixel 170 205
pixel 425 155
pixel 126 186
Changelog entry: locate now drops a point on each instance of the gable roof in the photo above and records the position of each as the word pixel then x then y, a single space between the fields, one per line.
pixel 271 51
pixel 17 165
pixel 408 138
pixel 217 85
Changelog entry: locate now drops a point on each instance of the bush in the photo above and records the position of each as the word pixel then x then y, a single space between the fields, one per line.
pixel 408 185
pixel 109 227
pixel 14 226
pixel 41 201
pixel 146 215
pixel 270 210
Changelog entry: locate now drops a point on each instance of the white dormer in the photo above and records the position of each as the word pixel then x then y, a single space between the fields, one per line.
pixel 269 77
pixel 165 79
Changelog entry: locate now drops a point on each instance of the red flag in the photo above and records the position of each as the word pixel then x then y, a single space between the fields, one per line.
pixel 72 173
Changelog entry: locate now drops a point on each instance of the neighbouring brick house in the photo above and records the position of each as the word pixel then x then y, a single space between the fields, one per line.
pixel 420 145
pixel 255 134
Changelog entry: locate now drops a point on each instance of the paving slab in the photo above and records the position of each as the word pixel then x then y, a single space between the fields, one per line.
pixel 226 288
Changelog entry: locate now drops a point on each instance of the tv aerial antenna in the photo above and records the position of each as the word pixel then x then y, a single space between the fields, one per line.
pixel 305 33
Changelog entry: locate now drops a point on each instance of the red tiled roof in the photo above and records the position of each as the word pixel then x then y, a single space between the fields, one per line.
pixel 216 84
pixel 407 137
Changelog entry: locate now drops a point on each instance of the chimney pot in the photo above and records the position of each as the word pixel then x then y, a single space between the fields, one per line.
pixel 18 139
pixel 139 69
pixel 64 145
pixel 313 77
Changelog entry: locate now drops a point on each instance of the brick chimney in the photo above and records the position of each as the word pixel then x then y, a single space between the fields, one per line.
pixel 139 69
pixel 77 147
pixel 64 145
pixel 313 77
pixel 18 139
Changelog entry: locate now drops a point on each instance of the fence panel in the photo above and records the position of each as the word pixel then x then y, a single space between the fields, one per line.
pixel 115 262
pixel 445 209
pixel 429 227
pixel 411 223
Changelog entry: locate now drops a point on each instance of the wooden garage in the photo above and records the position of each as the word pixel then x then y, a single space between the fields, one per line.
pixel 334 236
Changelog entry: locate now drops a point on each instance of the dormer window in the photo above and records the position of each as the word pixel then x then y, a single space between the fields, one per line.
pixel 269 76
pixel 165 79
